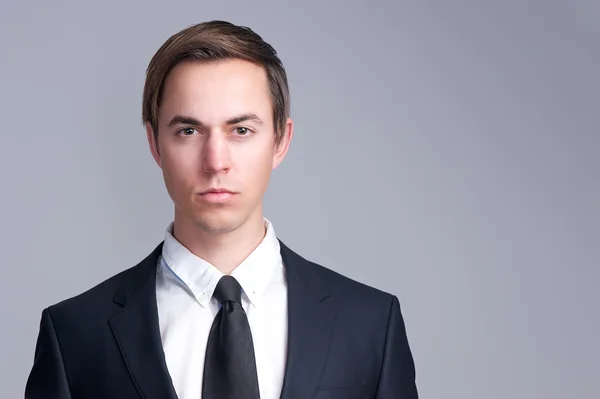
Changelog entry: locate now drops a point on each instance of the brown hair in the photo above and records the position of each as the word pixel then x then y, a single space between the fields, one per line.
pixel 213 41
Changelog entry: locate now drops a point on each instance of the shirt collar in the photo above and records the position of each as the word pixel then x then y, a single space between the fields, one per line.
pixel 201 277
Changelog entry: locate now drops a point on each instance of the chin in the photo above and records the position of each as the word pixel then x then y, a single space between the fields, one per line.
pixel 217 222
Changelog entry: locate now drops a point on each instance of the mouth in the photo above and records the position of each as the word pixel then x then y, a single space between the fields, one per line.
pixel 217 195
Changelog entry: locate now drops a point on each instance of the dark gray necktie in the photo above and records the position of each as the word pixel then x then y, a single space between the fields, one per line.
pixel 230 365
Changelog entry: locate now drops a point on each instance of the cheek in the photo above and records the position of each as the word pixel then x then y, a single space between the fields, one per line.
pixel 257 167
pixel 179 170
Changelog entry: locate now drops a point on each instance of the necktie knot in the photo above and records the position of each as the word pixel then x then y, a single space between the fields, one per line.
pixel 228 289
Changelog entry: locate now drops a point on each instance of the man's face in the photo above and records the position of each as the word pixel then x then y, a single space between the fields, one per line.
pixel 216 132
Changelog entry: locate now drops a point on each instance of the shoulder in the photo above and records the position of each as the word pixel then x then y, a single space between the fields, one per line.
pixel 342 285
pixel 100 299
pixel 343 289
pixel 363 312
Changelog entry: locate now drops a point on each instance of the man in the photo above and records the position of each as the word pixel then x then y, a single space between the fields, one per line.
pixel 221 308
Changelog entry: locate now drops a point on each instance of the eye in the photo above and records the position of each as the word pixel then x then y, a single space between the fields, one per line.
pixel 187 131
pixel 242 131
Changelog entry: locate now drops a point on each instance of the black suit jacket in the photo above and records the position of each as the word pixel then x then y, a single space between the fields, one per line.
pixel 346 340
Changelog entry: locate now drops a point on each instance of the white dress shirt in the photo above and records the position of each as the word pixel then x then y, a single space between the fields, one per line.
pixel 186 309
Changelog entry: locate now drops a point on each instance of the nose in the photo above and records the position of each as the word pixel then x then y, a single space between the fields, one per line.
pixel 215 154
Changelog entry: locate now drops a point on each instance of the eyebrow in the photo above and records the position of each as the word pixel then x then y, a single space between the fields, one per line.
pixel 188 120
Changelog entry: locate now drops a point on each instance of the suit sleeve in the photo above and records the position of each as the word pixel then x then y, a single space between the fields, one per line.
pixel 397 376
pixel 47 379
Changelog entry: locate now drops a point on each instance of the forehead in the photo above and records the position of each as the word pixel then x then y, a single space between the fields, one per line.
pixel 216 91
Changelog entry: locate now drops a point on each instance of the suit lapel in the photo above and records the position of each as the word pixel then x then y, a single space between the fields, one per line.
pixel 136 330
pixel 310 327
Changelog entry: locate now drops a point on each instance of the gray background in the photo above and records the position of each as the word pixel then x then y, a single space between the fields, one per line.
pixel 447 152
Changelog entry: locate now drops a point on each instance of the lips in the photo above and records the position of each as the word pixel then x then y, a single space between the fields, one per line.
pixel 217 191
pixel 217 195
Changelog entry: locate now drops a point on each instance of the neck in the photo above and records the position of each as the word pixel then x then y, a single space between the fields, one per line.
pixel 225 251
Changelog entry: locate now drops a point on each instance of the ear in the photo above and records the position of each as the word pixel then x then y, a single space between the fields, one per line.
pixel 282 148
pixel 153 144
